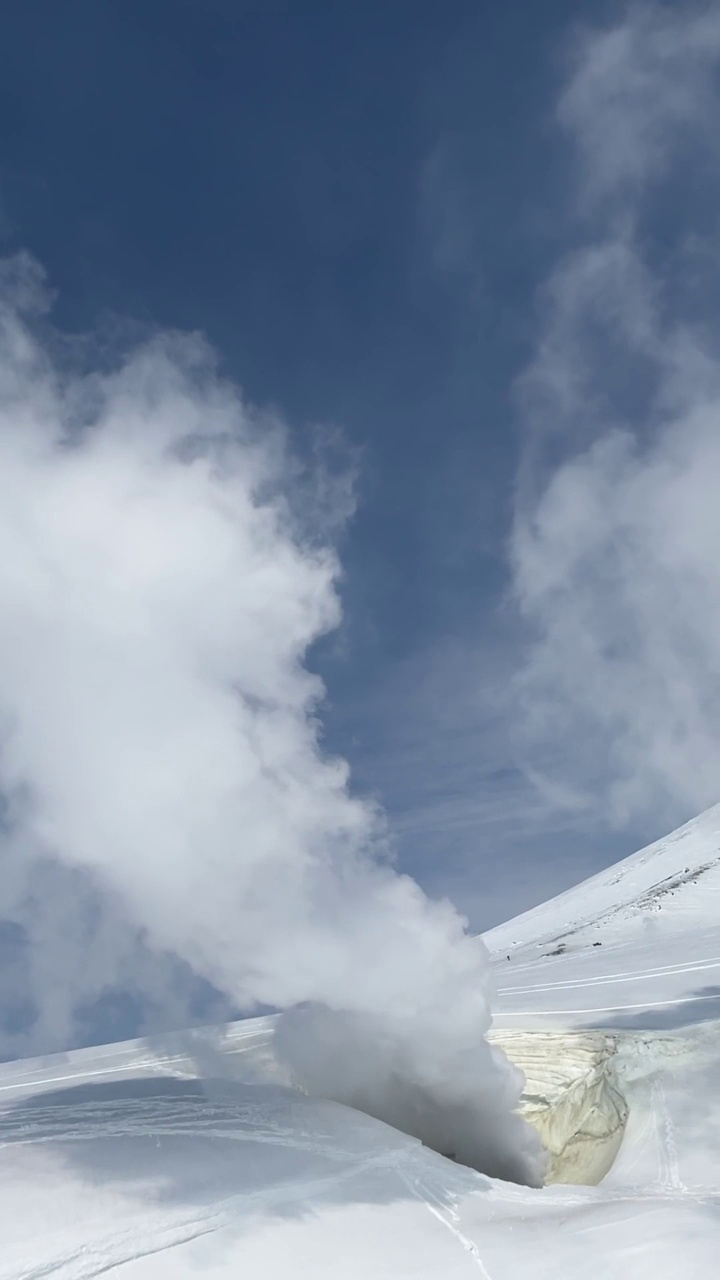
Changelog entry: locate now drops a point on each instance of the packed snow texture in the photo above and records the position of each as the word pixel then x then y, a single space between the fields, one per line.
pixel 161 588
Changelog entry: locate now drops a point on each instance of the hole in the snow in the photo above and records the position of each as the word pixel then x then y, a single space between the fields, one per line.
pixel 572 1098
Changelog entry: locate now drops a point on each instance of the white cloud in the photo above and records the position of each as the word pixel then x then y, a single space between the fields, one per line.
pixel 615 548
pixel 639 90
pixel 159 736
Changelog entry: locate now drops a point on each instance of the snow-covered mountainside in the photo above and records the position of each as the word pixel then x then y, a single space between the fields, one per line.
pixel 190 1156
pixel 635 947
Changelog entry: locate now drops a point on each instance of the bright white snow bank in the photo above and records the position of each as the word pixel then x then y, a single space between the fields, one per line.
pixel 176 1174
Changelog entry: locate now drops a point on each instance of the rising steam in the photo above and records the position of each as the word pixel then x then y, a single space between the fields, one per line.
pixel 160 735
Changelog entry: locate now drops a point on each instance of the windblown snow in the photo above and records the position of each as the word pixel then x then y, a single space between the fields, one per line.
pixel 196 1154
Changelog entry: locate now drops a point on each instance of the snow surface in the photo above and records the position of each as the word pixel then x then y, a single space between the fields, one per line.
pixel 190 1156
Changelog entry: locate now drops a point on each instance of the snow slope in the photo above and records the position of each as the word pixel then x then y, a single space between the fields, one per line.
pixel 190 1156
pixel 636 946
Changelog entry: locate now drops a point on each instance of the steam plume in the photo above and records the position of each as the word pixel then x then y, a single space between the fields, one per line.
pixel 160 736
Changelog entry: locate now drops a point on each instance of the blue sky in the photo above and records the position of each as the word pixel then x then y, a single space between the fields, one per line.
pixel 421 232
pixel 352 202
pixel 355 204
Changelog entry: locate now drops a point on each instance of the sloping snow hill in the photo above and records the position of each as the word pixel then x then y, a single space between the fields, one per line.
pixel 189 1156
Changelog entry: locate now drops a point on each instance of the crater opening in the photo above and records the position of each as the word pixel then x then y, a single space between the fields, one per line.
pixel 572 1098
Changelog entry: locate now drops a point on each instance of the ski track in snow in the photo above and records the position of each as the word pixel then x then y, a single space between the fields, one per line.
pixel 449 1219
pixel 669 1165
pixel 125 1059
pixel 609 1008
pixel 609 979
